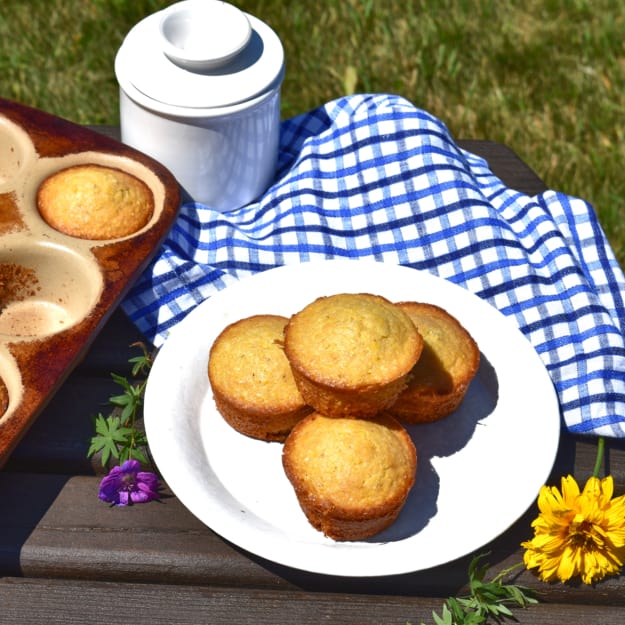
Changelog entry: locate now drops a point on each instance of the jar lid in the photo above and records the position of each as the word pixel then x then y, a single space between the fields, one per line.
pixel 200 54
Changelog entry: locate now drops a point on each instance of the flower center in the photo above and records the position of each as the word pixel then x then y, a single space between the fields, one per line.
pixel 128 480
pixel 581 534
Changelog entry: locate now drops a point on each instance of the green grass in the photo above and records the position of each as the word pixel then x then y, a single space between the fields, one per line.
pixel 545 77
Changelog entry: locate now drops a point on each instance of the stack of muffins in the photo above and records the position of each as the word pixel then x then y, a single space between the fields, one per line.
pixel 337 383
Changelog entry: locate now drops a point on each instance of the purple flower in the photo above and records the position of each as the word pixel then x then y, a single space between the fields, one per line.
pixel 126 484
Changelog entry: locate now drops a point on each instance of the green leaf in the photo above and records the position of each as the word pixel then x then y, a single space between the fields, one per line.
pixel 140 364
pixel 502 609
pixel 121 380
pixel 116 436
pixel 127 412
pixel 132 450
pixel 456 609
pixel 120 400
pixel 521 595
pixel 477 573
pixel 487 600
pixel 109 435
pixel 137 454
pixel 445 619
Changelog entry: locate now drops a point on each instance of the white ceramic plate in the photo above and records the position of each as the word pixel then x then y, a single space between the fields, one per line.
pixel 478 470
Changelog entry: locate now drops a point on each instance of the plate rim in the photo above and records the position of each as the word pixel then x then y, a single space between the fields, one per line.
pixel 336 567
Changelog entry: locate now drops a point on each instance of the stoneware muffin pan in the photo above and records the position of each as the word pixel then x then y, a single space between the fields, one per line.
pixel 57 291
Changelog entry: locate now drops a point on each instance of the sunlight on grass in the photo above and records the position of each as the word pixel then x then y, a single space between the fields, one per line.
pixel 545 77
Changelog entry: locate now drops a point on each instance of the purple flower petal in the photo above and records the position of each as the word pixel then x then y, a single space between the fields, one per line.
pixel 131 466
pixel 127 484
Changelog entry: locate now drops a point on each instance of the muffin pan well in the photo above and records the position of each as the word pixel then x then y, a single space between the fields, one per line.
pixel 57 291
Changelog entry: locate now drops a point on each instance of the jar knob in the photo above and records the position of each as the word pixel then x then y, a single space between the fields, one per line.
pixel 201 35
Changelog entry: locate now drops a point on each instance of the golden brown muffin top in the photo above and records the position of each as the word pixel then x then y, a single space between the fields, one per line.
pixel 247 364
pixel 354 340
pixel 351 464
pixel 95 202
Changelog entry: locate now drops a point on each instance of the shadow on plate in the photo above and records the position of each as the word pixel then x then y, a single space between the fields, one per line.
pixel 437 440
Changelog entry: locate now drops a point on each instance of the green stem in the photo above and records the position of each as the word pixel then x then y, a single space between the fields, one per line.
pixel 599 460
pixel 137 400
pixel 506 572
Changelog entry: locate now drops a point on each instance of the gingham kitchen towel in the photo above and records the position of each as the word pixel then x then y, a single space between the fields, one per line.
pixel 371 176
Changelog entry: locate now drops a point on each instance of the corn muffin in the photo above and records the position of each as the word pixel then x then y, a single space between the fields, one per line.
pixel 351 353
pixel 95 202
pixel 252 383
pixel 449 361
pixel 351 476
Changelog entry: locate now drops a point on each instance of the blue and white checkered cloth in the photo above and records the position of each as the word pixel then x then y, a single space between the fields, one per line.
pixel 371 176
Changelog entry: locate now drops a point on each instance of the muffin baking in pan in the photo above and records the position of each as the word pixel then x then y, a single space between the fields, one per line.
pixel 81 215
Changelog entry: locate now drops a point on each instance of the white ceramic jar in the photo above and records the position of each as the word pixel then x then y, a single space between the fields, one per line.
pixel 200 92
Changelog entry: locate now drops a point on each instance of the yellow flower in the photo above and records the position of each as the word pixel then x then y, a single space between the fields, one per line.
pixel 578 534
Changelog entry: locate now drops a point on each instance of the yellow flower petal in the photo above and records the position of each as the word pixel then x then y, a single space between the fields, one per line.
pixel 577 533
pixel 570 489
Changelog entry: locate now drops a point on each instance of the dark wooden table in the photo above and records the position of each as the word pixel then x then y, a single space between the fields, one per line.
pixel 66 557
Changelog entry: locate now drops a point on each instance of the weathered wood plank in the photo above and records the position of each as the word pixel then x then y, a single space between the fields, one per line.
pixel 507 165
pixel 54 601
pixel 54 527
